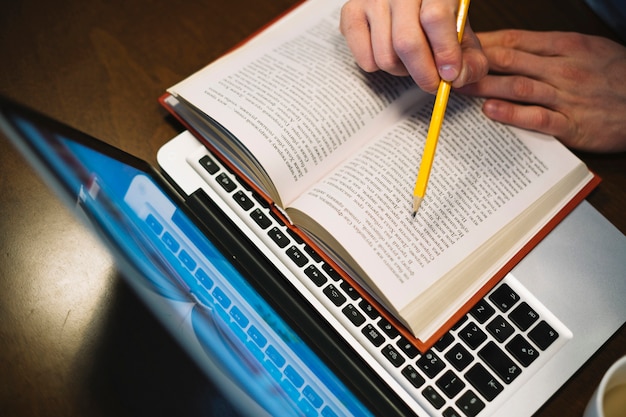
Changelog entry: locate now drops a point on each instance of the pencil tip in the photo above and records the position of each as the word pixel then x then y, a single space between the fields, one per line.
pixel 417 201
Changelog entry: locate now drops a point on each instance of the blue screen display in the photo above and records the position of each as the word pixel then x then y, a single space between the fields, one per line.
pixel 221 315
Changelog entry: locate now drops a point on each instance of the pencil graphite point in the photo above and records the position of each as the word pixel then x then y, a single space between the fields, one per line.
pixel 417 201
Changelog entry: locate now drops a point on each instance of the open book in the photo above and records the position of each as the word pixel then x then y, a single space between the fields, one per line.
pixel 338 151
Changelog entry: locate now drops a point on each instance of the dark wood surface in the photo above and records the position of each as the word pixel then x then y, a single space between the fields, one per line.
pixel 74 339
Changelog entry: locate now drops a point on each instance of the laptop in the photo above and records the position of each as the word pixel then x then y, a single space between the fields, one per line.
pixel 280 332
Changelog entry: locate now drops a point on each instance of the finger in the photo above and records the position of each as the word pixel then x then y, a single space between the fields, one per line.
pixel 411 45
pixel 355 27
pixel 531 117
pixel 507 60
pixel 438 19
pixel 383 28
pixel 475 64
pixel 534 42
pixel 514 88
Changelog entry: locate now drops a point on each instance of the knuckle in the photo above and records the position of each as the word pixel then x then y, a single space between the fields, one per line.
pixel 427 81
pixel 390 63
pixel 434 13
pixel 367 65
pixel 511 38
pixel 522 88
pixel 542 120
pixel 504 58
pixel 405 45
pixel 573 73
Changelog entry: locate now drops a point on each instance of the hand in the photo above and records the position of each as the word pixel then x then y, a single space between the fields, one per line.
pixel 568 85
pixel 413 37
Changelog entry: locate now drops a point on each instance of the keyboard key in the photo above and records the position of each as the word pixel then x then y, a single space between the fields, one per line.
pixel 431 364
pixel 328 412
pixel 255 351
pixel 312 396
pixel 154 224
pixel 291 391
pixel 226 183
pixel 334 295
pixel 388 328
pixel 221 297
pixel 373 335
pixel 260 218
pixel 522 350
pixel 472 335
pixel 484 382
pixel 237 331
pixel 275 356
pixel 443 343
pixel 450 412
pixel 313 253
pixel 257 336
pixel 209 164
pixel 368 309
pixel 307 409
pixel 204 278
pixel 280 221
pixel 297 256
pixel 413 376
pixel 459 357
pixel 295 236
pixel 259 199
pixel 171 242
pixel 393 356
pixel 315 275
pixel 543 335
pixel 243 200
pixel 240 317
pixel 349 290
pixel 354 315
pixel 278 237
pixel 274 372
pixel 407 347
pixel 294 376
pixel 187 260
pixel 482 311
pixel 433 397
pixel 500 329
pixel 470 404
pixel 450 384
pixel 332 272
pixel 504 297
pixel 499 362
pixel 524 316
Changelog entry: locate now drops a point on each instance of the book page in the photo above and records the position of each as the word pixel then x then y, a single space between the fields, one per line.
pixel 295 97
pixel 484 175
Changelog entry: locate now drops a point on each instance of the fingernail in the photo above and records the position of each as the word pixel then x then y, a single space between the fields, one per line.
pixel 448 72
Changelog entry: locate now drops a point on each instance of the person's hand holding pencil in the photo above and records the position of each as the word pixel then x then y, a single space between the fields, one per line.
pixel 413 37
pixel 439 110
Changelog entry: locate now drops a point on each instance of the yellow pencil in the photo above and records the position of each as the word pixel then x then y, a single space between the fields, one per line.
pixel 439 109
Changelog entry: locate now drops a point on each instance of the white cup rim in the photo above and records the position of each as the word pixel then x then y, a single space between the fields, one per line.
pixel 604 384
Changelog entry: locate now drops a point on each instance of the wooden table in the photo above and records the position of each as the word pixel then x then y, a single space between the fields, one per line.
pixel 74 340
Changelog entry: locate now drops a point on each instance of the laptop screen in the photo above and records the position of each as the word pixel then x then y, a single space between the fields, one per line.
pixel 198 290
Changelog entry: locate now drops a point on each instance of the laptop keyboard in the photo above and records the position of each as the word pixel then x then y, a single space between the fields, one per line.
pixel 505 338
